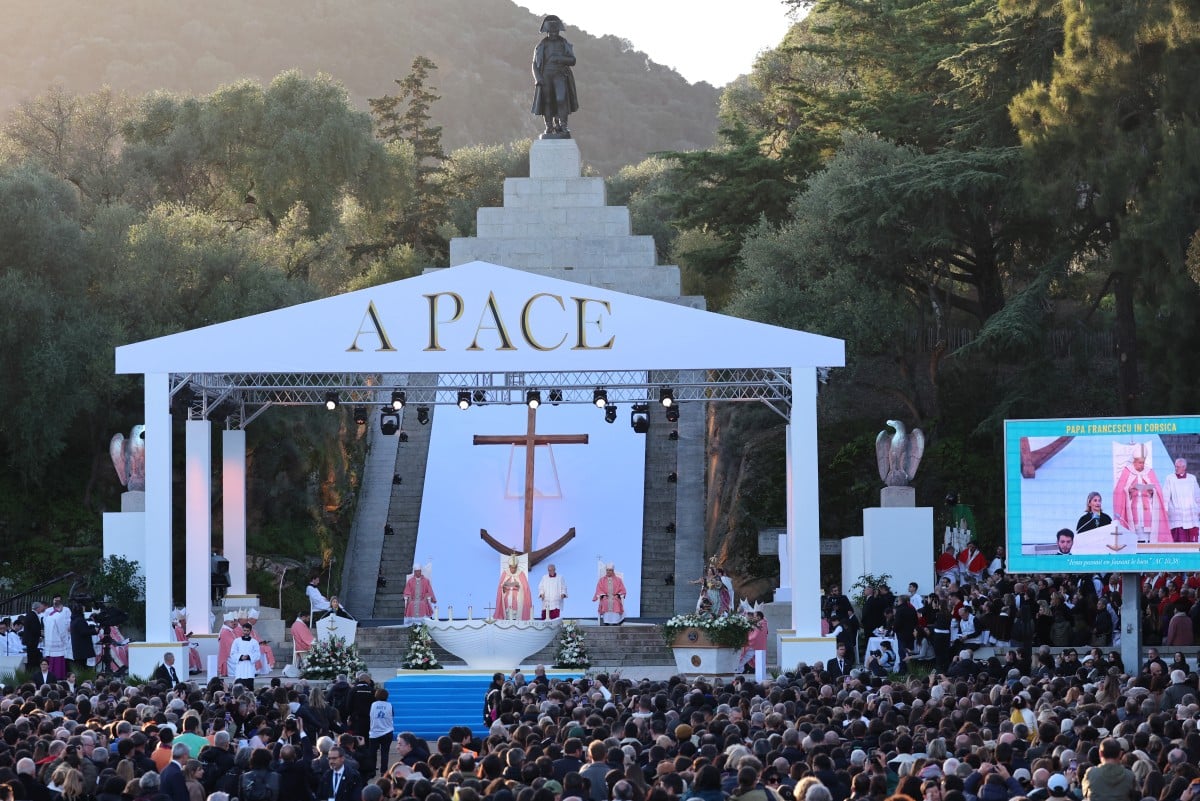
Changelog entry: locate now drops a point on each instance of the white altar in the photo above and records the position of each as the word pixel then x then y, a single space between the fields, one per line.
pixel 492 644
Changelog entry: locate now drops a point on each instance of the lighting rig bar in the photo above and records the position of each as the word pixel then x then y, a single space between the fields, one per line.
pixel 238 398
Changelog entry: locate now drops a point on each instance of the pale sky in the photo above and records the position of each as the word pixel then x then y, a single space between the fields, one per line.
pixel 704 40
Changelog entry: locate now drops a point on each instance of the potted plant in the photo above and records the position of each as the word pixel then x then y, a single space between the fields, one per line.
pixel 331 657
pixel 420 654
pixel 572 649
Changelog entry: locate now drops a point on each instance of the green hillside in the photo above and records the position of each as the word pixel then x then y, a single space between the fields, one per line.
pixel 630 106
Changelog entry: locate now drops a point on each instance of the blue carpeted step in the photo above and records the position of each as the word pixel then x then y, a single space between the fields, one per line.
pixel 428 703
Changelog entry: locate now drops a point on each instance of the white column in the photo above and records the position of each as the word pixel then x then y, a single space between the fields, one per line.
pixel 233 494
pixel 804 642
pixel 158 509
pixel 804 504
pixel 198 525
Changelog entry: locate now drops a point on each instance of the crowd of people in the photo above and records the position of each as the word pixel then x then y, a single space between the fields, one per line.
pixel 1002 611
pixel 999 730
pixel 1029 722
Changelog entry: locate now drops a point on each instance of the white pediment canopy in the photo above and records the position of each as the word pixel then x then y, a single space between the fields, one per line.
pixel 480 317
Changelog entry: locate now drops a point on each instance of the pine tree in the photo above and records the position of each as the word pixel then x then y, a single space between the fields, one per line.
pixel 405 117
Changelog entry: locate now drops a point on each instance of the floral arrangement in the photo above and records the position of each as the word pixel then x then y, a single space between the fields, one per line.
pixel 728 630
pixel 572 652
pixel 420 654
pixel 330 658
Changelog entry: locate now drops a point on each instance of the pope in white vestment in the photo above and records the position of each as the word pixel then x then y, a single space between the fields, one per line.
pixel 552 589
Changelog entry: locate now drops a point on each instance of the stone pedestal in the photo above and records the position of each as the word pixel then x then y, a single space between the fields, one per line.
pixel 794 649
pixel 778 615
pixel 125 531
pixel 890 497
pixel 144 657
pixel 897 541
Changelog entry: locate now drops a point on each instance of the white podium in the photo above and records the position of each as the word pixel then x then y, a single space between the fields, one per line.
pixel 334 626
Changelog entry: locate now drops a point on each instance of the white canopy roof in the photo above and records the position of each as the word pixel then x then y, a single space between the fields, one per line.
pixel 480 317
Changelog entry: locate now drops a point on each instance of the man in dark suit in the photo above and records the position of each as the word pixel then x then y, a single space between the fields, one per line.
pixel 172 782
pixel 840 664
pixel 165 674
pixel 339 783
pixel 43 675
pixel 31 635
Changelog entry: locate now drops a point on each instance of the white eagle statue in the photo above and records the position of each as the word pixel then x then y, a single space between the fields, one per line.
pixel 129 457
pixel 899 454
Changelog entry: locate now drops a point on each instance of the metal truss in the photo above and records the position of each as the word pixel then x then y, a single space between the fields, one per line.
pixel 238 398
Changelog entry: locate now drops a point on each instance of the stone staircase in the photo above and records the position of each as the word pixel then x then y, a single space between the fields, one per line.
pixel 404 515
pixel 610 647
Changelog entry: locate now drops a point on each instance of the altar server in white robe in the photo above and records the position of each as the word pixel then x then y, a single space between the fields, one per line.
pixel 552 589
pixel 242 657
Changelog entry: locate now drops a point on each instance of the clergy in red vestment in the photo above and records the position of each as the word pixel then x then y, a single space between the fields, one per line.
pixel 225 643
pixel 610 592
pixel 756 640
pixel 971 562
pixel 179 624
pixel 302 636
pixel 946 565
pixel 1138 500
pixel 513 599
pixel 418 595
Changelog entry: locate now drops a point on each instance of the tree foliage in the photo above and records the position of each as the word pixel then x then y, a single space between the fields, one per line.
pixel 249 153
pixel 407 117
pixel 1112 136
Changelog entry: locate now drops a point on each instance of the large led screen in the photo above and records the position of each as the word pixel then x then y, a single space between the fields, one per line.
pixel 1102 494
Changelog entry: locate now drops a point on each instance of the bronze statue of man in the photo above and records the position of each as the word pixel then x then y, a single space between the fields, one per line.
pixel 554 96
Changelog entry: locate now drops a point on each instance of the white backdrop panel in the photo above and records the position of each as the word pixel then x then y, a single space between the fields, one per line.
pixel 597 488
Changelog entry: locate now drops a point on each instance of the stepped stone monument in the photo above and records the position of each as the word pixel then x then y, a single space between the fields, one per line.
pixel 556 223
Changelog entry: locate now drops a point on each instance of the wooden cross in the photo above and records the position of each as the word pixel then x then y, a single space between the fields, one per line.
pixel 530 439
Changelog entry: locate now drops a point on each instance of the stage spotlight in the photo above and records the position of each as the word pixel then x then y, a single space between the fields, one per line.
pixel 674 435
pixel 479 397
pixel 533 399
pixel 464 399
pixel 399 398
pixel 672 414
pixel 639 418
pixel 610 413
pixel 389 421
pixel 556 396
pixel 672 477
pixel 666 396
pixel 404 436
pixel 360 415
pixel 423 415
pixel 600 397
pixel 331 400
